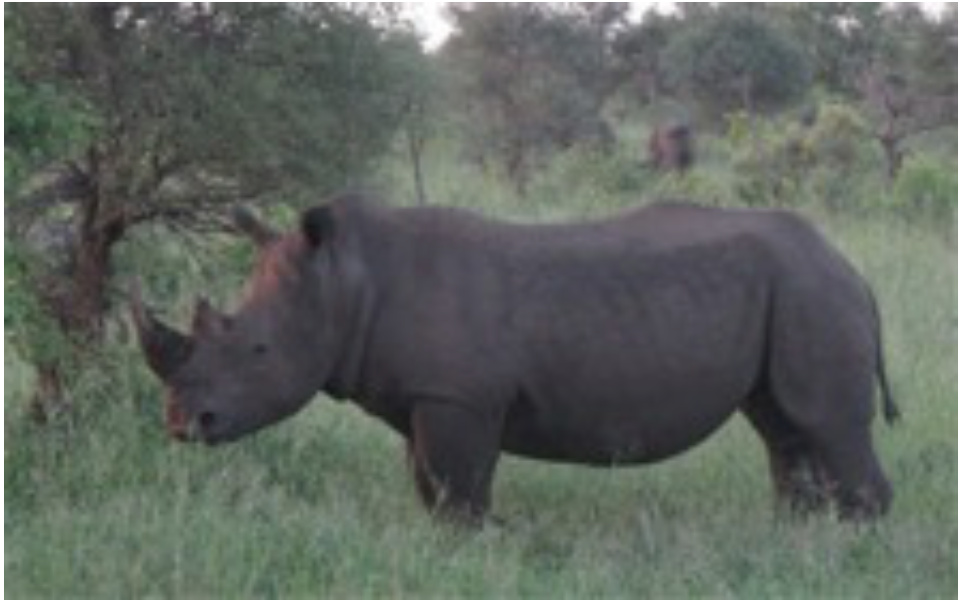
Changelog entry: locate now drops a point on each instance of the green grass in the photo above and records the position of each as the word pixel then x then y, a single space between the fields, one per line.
pixel 102 505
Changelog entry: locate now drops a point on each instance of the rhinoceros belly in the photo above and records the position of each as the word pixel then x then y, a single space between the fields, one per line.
pixel 635 427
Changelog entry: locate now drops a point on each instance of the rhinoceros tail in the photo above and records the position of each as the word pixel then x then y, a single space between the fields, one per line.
pixel 890 409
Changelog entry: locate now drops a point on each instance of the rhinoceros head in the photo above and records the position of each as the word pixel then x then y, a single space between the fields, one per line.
pixel 235 373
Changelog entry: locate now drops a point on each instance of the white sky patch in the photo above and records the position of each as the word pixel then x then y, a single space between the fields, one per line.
pixel 431 21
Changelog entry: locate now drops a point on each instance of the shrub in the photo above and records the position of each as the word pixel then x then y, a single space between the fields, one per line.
pixel 767 161
pixel 29 328
pixel 700 185
pixel 927 188
pixel 838 138
pixel 785 162
pixel 618 171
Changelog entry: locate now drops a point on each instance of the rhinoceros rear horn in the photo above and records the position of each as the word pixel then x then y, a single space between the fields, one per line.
pixel 206 319
pixel 251 226
pixel 165 348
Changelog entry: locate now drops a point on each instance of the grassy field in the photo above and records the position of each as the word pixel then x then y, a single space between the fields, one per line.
pixel 102 505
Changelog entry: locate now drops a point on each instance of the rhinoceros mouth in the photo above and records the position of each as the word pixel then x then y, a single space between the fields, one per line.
pixel 203 427
pixel 192 433
pixel 178 424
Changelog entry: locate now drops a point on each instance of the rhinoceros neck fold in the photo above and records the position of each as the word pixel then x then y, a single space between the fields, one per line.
pixel 351 328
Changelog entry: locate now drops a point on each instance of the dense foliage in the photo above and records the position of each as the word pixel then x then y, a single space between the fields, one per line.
pixel 736 59
pixel 536 78
pixel 190 109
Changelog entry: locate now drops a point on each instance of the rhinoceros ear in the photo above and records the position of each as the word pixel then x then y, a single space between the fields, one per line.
pixel 317 225
pixel 206 319
pixel 165 348
pixel 248 224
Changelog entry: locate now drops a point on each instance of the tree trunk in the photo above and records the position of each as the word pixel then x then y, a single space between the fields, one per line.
pixel 78 301
pixel 517 167
pixel 894 157
pixel 416 144
pixel 89 282
pixel 746 97
pixel 86 293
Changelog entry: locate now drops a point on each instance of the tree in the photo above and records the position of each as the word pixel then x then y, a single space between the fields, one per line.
pixel 840 39
pixel 40 124
pixel 420 95
pixel 194 107
pixel 736 58
pixel 534 78
pixel 639 51
pixel 912 86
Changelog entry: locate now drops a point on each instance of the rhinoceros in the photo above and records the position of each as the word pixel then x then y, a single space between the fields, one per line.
pixel 619 341
pixel 671 147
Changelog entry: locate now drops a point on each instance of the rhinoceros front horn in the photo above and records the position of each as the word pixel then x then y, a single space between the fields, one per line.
pixel 165 348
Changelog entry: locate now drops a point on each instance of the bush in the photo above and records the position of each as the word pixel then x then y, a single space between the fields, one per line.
pixel 30 330
pixel 838 139
pixel 927 188
pixel 618 171
pixel 701 186
pixel 787 162
pixel 767 161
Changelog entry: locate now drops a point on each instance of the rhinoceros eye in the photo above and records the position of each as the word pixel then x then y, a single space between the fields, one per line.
pixel 260 349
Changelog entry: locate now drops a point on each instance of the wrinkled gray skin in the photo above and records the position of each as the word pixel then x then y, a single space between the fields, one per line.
pixel 627 340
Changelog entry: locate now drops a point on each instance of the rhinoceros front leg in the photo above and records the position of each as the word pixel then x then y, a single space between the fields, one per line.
pixel 454 453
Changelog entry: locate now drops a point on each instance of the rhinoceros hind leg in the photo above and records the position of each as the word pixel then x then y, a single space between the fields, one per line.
pixel 828 457
pixel 860 489
pixel 800 482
